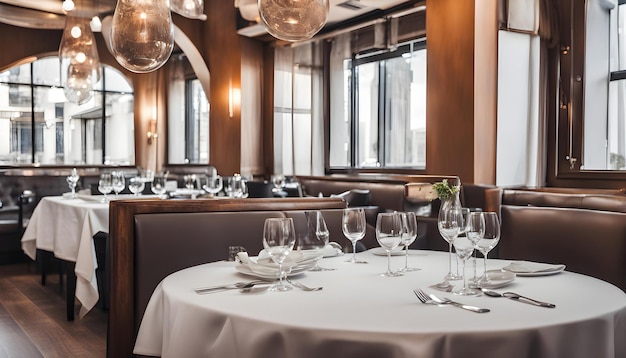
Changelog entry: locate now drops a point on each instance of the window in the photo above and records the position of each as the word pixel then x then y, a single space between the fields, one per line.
pixel 382 121
pixel 188 124
pixel 39 126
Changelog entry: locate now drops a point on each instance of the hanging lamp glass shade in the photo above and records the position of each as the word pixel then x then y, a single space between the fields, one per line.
pixel 79 57
pixel 142 34
pixel 193 9
pixel 293 20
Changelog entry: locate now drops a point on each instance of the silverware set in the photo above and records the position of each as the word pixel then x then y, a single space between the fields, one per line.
pixel 248 286
pixel 435 300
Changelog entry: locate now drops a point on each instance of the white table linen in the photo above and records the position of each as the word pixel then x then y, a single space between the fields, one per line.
pixel 66 227
pixel 362 314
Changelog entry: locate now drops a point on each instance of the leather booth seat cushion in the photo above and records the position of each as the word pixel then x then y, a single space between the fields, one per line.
pixel 389 196
pixel 590 242
pixel 166 243
pixel 615 203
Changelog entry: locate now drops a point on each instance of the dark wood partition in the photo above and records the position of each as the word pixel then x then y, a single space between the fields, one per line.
pixel 122 326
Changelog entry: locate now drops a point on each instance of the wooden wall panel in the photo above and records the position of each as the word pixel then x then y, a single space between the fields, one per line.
pixel 456 137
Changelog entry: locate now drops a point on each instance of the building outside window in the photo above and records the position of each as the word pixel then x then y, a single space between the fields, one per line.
pixel 39 126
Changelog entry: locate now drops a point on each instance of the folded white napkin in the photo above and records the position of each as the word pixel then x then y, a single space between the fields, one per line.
pixel 265 266
pixel 332 249
pixel 532 267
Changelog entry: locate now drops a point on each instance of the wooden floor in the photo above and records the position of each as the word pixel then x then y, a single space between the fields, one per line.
pixel 33 319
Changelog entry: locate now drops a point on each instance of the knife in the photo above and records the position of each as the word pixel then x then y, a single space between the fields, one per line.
pixel 516 296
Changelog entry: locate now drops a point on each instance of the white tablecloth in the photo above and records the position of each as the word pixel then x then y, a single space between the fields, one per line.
pixel 361 314
pixel 66 227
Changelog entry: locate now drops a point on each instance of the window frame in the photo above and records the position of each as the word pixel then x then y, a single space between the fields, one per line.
pixel 566 76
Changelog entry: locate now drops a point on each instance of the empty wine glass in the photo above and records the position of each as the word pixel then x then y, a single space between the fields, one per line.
pixel 214 185
pixel 474 232
pixel 190 181
pixel 315 238
pixel 409 233
pixel 278 240
pixel 353 226
pixel 105 185
pixel 449 223
pixel 389 234
pixel 158 185
pixel 464 248
pixel 488 242
pixel 72 181
pixel 118 181
pixel 236 187
pixel 136 185
pixel 462 232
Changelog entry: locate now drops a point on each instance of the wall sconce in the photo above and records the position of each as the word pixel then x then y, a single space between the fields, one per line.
pixel 152 134
pixel 234 99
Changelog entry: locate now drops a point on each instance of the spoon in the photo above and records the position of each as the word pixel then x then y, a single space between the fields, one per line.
pixel 517 297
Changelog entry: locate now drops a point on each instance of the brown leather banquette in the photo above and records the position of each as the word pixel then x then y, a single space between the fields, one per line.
pixel 150 239
pixel 586 232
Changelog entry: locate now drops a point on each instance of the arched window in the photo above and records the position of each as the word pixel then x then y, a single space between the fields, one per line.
pixel 39 126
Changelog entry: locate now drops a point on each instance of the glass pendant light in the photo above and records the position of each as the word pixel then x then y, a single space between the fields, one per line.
pixel 293 20
pixel 193 9
pixel 79 56
pixel 142 34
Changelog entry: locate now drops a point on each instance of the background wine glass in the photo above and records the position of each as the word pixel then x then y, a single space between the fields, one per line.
pixel 488 242
pixel 72 181
pixel 278 240
pixel 449 224
pixel 409 233
pixel 118 181
pixel 105 185
pixel 315 238
pixel 158 185
pixel 389 234
pixel 136 185
pixel 353 226
pixel 214 185
pixel 278 180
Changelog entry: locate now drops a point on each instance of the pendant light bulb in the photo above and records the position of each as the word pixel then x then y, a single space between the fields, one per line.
pixel 79 56
pixel 142 34
pixel 293 20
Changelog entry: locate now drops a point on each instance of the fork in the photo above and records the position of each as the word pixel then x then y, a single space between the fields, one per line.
pixel 237 285
pixel 304 287
pixel 434 300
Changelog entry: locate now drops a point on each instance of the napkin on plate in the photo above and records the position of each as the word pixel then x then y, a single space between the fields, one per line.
pixel 264 265
pixel 532 267
pixel 332 249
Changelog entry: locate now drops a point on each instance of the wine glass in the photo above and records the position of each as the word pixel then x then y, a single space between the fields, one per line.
pixel 214 185
pixel 278 180
pixel 464 248
pixel 315 238
pixel 117 178
pixel 409 233
pixel 136 185
pixel 105 185
pixel 158 185
pixel 389 235
pixel 449 224
pixel 353 226
pixel 488 242
pixel 474 232
pixel 72 181
pixel 190 181
pixel 462 232
pixel 278 240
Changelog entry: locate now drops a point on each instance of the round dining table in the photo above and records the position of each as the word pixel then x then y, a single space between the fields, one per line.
pixel 360 313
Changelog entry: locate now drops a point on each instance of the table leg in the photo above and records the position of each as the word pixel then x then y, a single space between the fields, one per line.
pixel 71 289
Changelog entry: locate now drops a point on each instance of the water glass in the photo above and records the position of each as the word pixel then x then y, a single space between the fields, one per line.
pixel 449 223
pixel 464 249
pixel 389 235
pixel 105 185
pixel 214 185
pixel 136 185
pixel 278 240
pixel 353 226
pixel 158 185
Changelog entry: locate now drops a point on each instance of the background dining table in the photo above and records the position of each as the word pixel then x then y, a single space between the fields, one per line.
pixel 360 313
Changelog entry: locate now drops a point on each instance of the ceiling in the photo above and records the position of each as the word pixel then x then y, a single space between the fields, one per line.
pixel 48 14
